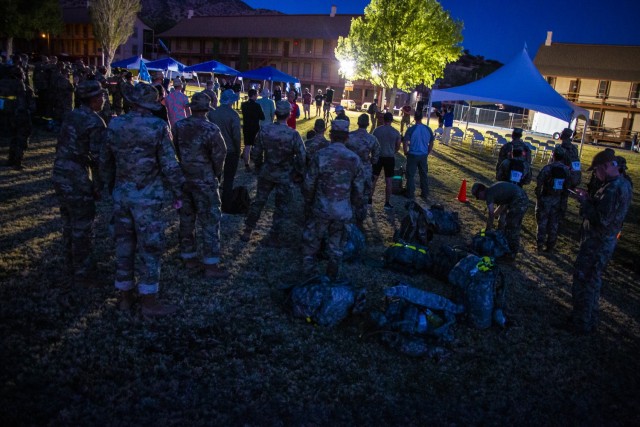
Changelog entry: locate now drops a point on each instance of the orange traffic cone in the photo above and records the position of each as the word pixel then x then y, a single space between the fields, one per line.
pixel 462 194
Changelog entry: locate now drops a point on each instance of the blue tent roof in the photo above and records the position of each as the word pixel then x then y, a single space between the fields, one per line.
pixel 212 67
pixel 269 73
pixel 517 83
pixel 165 64
pixel 132 63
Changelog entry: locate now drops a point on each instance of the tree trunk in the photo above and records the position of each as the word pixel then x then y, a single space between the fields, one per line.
pixel 9 47
pixel 392 98
pixel 108 57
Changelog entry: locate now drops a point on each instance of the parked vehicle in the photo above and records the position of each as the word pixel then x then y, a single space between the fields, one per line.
pixel 348 104
pixel 365 106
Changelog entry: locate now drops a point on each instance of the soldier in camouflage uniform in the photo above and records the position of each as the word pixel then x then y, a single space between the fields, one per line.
pixel 139 157
pixel 76 178
pixel 100 77
pixel 63 94
pixel 211 94
pixel 15 114
pixel 317 142
pixel 116 94
pixel 278 154
pixel 603 215
pixel 367 147
pixel 334 188
pixel 572 160
pixel 125 86
pixel 515 169
pixel 201 151
pixel 552 182
pixel 507 199
pixel 41 85
pixel 506 152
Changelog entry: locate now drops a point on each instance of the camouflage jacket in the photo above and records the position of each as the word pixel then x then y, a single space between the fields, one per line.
pixel 138 156
pixel 572 159
pixel 509 171
pixel 315 144
pixel 201 151
pixel 334 184
pixel 507 150
pixel 604 213
pixel 228 121
pixel 76 167
pixel 278 153
pixel 549 185
pixel 366 146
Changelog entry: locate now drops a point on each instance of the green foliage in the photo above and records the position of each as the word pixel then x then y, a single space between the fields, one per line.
pixel 27 18
pixel 401 43
pixel 113 22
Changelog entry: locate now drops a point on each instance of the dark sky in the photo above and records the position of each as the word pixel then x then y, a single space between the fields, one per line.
pixel 498 29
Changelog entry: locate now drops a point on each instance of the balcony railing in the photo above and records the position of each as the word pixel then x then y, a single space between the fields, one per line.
pixel 601 99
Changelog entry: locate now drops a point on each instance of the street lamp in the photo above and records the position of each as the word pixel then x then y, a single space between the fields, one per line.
pixel 46 36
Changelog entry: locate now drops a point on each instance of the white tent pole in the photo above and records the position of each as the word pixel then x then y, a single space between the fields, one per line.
pixel 429 108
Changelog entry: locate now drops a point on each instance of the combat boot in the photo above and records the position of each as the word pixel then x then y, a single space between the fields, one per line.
pixel 214 271
pixel 127 298
pixel 151 307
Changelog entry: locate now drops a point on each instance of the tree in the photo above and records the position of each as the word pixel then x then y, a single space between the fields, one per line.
pixel 399 44
pixel 113 22
pixel 27 19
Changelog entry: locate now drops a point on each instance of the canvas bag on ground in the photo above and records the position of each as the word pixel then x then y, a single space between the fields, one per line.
pixel 444 222
pixel 409 258
pixel 490 243
pixel 416 226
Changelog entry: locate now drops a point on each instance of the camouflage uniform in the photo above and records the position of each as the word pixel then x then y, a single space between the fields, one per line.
pixel 15 114
pixel 367 147
pixel 315 144
pixel 516 202
pixel 201 150
pixel 76 180
pixel 333 187
pixel 278 153
pixel 63 95
pixel 551 184
pixel 139 155
pixel 41 85
pixel 572 160
pixel 508 171
pixel 507 149
pixel 603 216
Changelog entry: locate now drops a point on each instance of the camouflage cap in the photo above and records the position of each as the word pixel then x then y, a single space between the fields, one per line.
pixel 145 96
pixel 283 108
pixel 200 101
pixel 363 120
pixel 622 162
pixel 476 188
pixel 228 97
pixel 89 89
pixel 340 126
pixel 603 157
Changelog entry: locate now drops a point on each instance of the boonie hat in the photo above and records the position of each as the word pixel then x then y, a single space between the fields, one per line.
pixel 89 89
pixel 601 158
pixel 144 95
pixel 283 108
pixel 340 126
pixel 228 97
pixel 200 101
pixel 363 119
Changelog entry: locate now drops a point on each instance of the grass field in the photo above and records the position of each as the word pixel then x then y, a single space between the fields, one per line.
pixel 233 355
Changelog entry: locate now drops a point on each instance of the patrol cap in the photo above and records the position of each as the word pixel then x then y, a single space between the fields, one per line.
pixel 363 120
pixel 283 108
pixel 89 89
pixel 177 82
pixel 319 124
pixel 340 126
pixel 518 131
pixel 339 108
pixel 566 133
pixel 200 102
pixel 228 97
pixel 622 162
pixel 477 188
pixel 605 156
pixel 145 96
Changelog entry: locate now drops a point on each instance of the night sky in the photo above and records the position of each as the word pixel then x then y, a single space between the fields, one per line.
pixel 498 29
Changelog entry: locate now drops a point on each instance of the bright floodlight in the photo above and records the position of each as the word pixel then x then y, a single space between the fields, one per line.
pixel 347 68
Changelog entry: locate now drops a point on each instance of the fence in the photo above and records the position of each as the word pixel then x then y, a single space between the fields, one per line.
pixel 483 116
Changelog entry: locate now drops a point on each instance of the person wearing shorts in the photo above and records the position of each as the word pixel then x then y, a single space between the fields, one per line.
pixel 306 104
pixel 319 97
pixel 389 139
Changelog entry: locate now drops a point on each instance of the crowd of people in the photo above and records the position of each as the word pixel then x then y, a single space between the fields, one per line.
pixel 148 142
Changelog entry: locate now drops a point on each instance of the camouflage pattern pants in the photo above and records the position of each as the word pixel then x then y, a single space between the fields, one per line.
pixel 18 128
pixel 139 238
pixel 201 206
pixel 593 256
pixel 315 232
pixel 283 202
pixel 361 212
pixel 548 217
pixel 513 223
pixel 78 215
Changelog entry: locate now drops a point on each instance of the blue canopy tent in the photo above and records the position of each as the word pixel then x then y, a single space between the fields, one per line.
pixel 269 74
pixel 166 64
pixel 214 67
pixel 518 83
pixel 132 63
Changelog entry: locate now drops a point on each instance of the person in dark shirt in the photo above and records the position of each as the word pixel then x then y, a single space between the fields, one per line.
pixel 251 115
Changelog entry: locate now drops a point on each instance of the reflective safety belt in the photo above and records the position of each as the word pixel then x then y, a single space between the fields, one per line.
pixel 402 245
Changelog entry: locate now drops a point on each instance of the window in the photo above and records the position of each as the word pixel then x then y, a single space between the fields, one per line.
pixel 265 45
pixel 308 46
pixel 551 81
pixel 235 45
pixel 324 72
pixel 634 93
pixel 178 44
pixel 596 118
pixel 285 67
pixel 296 47
pixel 603 89
pixel 307 70
pixel 326 47
pixel 295 69
pixel 189 45
pixel 274 45
pixel 574 90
